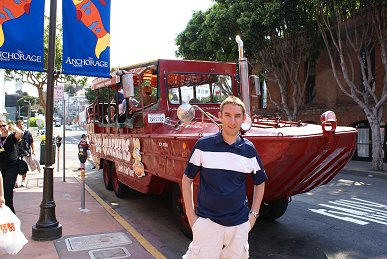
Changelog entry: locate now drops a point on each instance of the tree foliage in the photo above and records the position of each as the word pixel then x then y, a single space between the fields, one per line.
pixel 279 37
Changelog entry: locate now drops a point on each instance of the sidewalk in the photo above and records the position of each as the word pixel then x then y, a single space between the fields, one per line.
pixel 364 169
pixel 107 234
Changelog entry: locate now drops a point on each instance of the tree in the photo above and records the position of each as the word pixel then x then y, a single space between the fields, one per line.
pixel 280 38
pixel 39 79
pixel 23 103
pixel 352 30
pixel 90 94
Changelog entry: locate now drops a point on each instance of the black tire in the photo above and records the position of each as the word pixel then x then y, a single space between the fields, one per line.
pixel 120 189
pixel 107 175
pixel 179 211
pixel 273 210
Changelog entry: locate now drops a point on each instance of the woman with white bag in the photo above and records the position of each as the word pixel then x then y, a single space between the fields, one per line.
pixel 12 239
pixel 9 137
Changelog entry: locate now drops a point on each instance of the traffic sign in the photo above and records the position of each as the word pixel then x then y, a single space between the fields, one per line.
pixel 36 107
pixel 58 92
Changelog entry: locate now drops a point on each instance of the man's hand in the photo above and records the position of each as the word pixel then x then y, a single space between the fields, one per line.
pixel 192 219
pixel 252 220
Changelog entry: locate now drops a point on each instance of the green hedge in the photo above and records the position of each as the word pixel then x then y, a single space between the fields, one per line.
pixel 32 122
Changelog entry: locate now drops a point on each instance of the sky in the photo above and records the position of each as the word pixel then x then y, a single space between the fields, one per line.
pixel 146 30
pixel 141 31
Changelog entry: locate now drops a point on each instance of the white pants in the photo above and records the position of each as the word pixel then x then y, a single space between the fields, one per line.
pixel 214 241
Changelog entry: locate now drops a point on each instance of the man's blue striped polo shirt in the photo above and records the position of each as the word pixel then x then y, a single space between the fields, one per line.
pixel 223 171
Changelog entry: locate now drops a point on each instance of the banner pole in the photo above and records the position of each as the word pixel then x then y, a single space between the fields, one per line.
pixel 48 228
pixel 64 139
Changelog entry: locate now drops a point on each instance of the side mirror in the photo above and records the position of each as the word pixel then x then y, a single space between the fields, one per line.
pixel 186 112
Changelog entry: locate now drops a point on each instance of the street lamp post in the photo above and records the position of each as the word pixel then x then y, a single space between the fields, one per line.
pixel 48 228
pixel 29 113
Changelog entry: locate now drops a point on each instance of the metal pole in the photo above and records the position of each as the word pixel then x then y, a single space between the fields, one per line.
pixel 82 188
pixel 29 114
pixel 57 164
pixel 48 228
pixel 64 138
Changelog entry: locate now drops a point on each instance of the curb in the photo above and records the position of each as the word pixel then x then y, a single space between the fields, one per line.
pixel 140 238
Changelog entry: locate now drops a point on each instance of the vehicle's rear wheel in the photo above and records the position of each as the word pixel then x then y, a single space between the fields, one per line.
pixel 120 189
pixel 107 175
pixel 179 211
pixel 273 210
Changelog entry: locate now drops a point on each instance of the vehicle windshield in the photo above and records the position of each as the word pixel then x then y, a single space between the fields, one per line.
pixel 198 88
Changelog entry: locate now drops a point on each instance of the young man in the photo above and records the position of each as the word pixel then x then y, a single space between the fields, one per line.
pixel 8 159
pixel 222 219
pixel 147 99
pixel 25 146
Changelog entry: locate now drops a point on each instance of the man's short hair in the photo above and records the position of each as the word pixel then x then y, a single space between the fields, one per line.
pixel 233 100
pixel 19 122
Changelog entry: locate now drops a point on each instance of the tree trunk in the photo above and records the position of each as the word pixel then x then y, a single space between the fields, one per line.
pixel 377 146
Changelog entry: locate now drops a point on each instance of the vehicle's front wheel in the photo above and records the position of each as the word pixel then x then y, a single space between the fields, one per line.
pixel 273 210
pixel 107 175
pixel 179 211
pixel 120 189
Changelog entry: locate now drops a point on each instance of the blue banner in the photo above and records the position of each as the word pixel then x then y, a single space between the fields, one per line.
pixel 86 37
pixel 21 35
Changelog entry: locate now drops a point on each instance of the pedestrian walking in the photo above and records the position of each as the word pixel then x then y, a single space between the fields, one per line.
pixel 25 147
pixel 222 218
pixel 10 135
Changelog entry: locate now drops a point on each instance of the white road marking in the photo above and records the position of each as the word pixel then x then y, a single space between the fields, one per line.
pixel 356 211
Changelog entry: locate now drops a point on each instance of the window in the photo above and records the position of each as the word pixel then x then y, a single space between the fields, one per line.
pixel 198 88
pixel 363 145
pixel 310 90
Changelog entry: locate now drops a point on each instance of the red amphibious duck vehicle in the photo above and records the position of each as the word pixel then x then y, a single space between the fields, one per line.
pixel 147 117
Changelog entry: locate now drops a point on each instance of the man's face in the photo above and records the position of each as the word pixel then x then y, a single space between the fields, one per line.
pixel 232 118
pixel 21 126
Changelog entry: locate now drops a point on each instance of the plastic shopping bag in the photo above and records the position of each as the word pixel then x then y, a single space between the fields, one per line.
pixel 32 162
pixel 12 239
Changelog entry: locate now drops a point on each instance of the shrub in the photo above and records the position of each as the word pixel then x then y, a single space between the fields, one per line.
pixel 32 122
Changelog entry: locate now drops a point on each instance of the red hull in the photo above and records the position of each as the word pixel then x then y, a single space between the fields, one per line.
pixel 295 162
